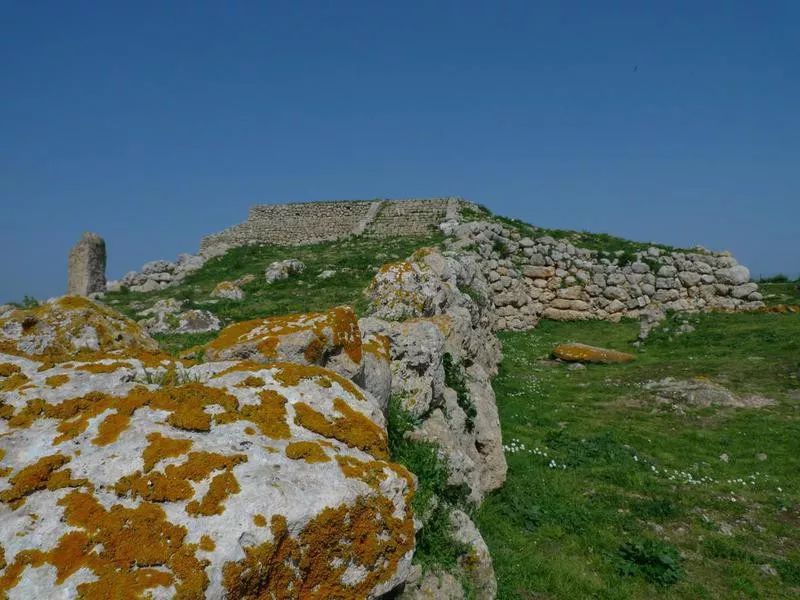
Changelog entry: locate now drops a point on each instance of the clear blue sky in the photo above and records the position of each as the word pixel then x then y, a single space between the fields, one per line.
pixel 154 123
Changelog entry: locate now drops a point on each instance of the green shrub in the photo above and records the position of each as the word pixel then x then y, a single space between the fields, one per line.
pixel 434 499
pixel 656 561
pixel 779 278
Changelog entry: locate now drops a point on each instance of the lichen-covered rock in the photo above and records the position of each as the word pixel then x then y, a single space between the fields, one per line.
pixel 575 352
pixel 376 371
pixel 283 269
pixel 71 328
pixel 228 480
pixel 432 584
pixel 446 326
pixel 166 316
pixel 331 339
pixel 477 564
pixel 228 290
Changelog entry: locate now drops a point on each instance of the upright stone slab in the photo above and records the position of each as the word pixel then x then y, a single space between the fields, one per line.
pixel 87 266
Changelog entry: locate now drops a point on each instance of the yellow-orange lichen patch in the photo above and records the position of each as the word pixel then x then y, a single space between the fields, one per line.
pixel 104 368
pixel 251 381
pixel 259 520
pixel 206 543
pixel 13 382
pixel 8 369
pixel 311 452
pixel 126 549
pixel 222 486
pixel 249 430
pixel 290 374
pixel 592 354
pixel 172 484
pixel 45 473
pixel 186 403
pixel 338 326
pixel 366 535
pixel 269 416
pixel 161 447
pixel 55 381
pixel 379 346
pixel 352 428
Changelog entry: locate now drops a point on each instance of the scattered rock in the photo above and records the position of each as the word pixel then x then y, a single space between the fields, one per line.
pixel 283 269
pixel 724 457
pixel 575 352
pixel 228 290
pixel 702 393
pixel 326 274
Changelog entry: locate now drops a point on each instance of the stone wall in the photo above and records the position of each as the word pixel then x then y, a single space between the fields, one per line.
pixel 303 223
pixel 547 278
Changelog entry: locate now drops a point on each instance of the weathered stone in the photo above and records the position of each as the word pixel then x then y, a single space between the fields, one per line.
pixel 538 272
pixel 228 290
pixel 575 352
pixel 734 275
pixel 283 269
pixel 744 290
pixel 199 489
pixel 87 266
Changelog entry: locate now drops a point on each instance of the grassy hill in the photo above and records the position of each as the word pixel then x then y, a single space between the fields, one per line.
pixel 611 493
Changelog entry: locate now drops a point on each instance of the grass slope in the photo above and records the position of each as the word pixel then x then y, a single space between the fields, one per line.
pixel 612 496
pixel 355 261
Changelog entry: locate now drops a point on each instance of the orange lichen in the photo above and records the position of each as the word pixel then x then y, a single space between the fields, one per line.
pixel 259 520
pixel 104 368
pixel 222 486
pixel 290 374
pixel 269 416
pixel 55 381
pixel 43 474
pixel 366 535
pixel 338 327
pixel 584 353
pixel 379 346
pixel 8 369
pixel 125 549
pixel 352 428
pixel 161 447
pixel 206 544
pixel 172 484
pixel 186 404
pixel 311 452
pixel 13 382
pixel 251 381
pixel 249 430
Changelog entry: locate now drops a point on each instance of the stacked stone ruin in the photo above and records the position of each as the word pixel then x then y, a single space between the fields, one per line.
pixel 310 222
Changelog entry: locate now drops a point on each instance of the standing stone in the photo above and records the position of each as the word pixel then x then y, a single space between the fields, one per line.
pixel 87 266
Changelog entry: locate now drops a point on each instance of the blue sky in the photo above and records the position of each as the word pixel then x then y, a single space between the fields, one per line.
pixel 154 123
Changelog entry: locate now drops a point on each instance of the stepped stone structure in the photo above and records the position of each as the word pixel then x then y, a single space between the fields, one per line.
pixel 87 266
pixel 309 222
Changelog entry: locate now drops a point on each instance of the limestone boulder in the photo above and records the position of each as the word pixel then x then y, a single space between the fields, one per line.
pixel 168 316
pixel 331 339
pixel 576 352
pixel 70 328
pixel 735 275
pixel 228 290
pixel 283 269
pixel 221 480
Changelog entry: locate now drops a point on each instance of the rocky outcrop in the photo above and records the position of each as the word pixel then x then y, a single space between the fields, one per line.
pixel 544 278
pixel 158 274
pixel 443 355
pixel 87 266
pixel 168 316
pixel 125 477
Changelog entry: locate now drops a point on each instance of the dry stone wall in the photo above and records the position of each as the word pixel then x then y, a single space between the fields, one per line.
pixel 530 279
pixel 303 223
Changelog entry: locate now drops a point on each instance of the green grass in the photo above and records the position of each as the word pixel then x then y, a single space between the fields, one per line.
pixel 780 292
pixel 354 260
pixel 615 496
